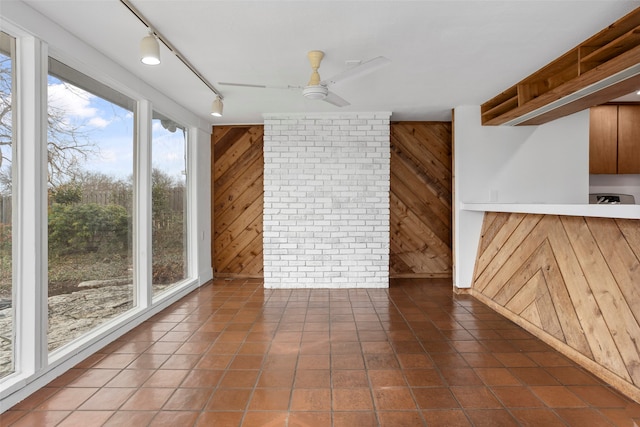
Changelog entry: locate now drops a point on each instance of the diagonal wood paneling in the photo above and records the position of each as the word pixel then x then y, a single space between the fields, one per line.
pixel 421 183
pixel 573 281
pixel 237 183
pixel 420 200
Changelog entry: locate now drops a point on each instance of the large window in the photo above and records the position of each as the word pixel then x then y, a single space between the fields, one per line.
pixel 7 332
pixel 93 205
pixel 169 192
pixel 90 186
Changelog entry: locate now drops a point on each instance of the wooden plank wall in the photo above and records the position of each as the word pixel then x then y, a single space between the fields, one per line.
pixel 420 199
pixel 572 281
pixel 421 190
pixel 237 182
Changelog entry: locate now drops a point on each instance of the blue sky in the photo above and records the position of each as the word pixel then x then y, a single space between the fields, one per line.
pixel 110 128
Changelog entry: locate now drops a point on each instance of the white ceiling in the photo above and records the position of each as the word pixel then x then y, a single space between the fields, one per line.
pixel 444 53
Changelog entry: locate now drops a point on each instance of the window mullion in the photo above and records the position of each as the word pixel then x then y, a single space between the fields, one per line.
pixel 196 138
pixel 142 207
pixel 31 206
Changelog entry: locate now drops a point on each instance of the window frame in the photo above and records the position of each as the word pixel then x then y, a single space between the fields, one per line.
pixel 79 79
pixel 12 49
pixel 189 249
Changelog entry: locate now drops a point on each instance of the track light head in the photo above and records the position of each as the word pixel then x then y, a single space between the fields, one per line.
pixel 150 50
pixel 216 107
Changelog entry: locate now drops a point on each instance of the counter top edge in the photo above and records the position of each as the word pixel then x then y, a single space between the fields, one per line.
pixel 604 211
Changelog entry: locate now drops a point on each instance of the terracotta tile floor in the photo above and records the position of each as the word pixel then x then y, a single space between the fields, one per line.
pixel 235 354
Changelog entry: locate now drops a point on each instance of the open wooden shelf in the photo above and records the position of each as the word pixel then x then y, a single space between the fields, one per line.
pixel 548 78
pixel 500 104
pixel 612 50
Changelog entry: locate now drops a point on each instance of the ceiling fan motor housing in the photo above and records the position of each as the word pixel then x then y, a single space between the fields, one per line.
pixel 315 92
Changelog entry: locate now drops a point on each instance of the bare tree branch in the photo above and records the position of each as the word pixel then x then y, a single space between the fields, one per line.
pixel 68 144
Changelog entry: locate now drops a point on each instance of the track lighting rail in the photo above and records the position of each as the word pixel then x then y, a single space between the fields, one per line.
pixel 169 46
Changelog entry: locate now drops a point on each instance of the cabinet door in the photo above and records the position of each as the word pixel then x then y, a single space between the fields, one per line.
pixel 603 135
pixel 629 139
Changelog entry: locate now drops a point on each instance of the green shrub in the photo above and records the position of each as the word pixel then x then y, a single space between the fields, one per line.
pixel 87 227
pixel 5 238
pixel 67 194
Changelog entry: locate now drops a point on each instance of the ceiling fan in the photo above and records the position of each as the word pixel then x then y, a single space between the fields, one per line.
pixel 319 89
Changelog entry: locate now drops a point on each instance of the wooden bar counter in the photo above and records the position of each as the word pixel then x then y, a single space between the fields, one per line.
pixel 572 280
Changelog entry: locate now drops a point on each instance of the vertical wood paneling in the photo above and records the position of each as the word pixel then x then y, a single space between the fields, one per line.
pixel 237 175
pixel 421 183
pixel 573 282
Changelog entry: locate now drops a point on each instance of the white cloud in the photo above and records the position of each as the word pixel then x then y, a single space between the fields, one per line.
pixel 78 106
pixel 74 101
pixel 99 122
pixel 108 156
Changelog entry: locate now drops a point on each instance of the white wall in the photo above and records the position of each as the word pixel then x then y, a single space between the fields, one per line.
pixel 546 164
pixel 522 164
pixel 201 218
pixel 620 184
pixel 326 200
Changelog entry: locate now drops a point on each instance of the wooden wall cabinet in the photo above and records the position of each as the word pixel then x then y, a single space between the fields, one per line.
pixel 614 139
pixel 629 139
pixel 603 139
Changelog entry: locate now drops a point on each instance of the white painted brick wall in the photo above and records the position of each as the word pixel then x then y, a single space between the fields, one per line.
pixel 326 200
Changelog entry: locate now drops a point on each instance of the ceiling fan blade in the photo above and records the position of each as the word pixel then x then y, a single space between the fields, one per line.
pixel 241 85
pixel 259 86
pixel 358 70
pixel 334 99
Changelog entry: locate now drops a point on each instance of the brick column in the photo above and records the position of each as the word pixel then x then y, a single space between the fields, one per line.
pixel 326 200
